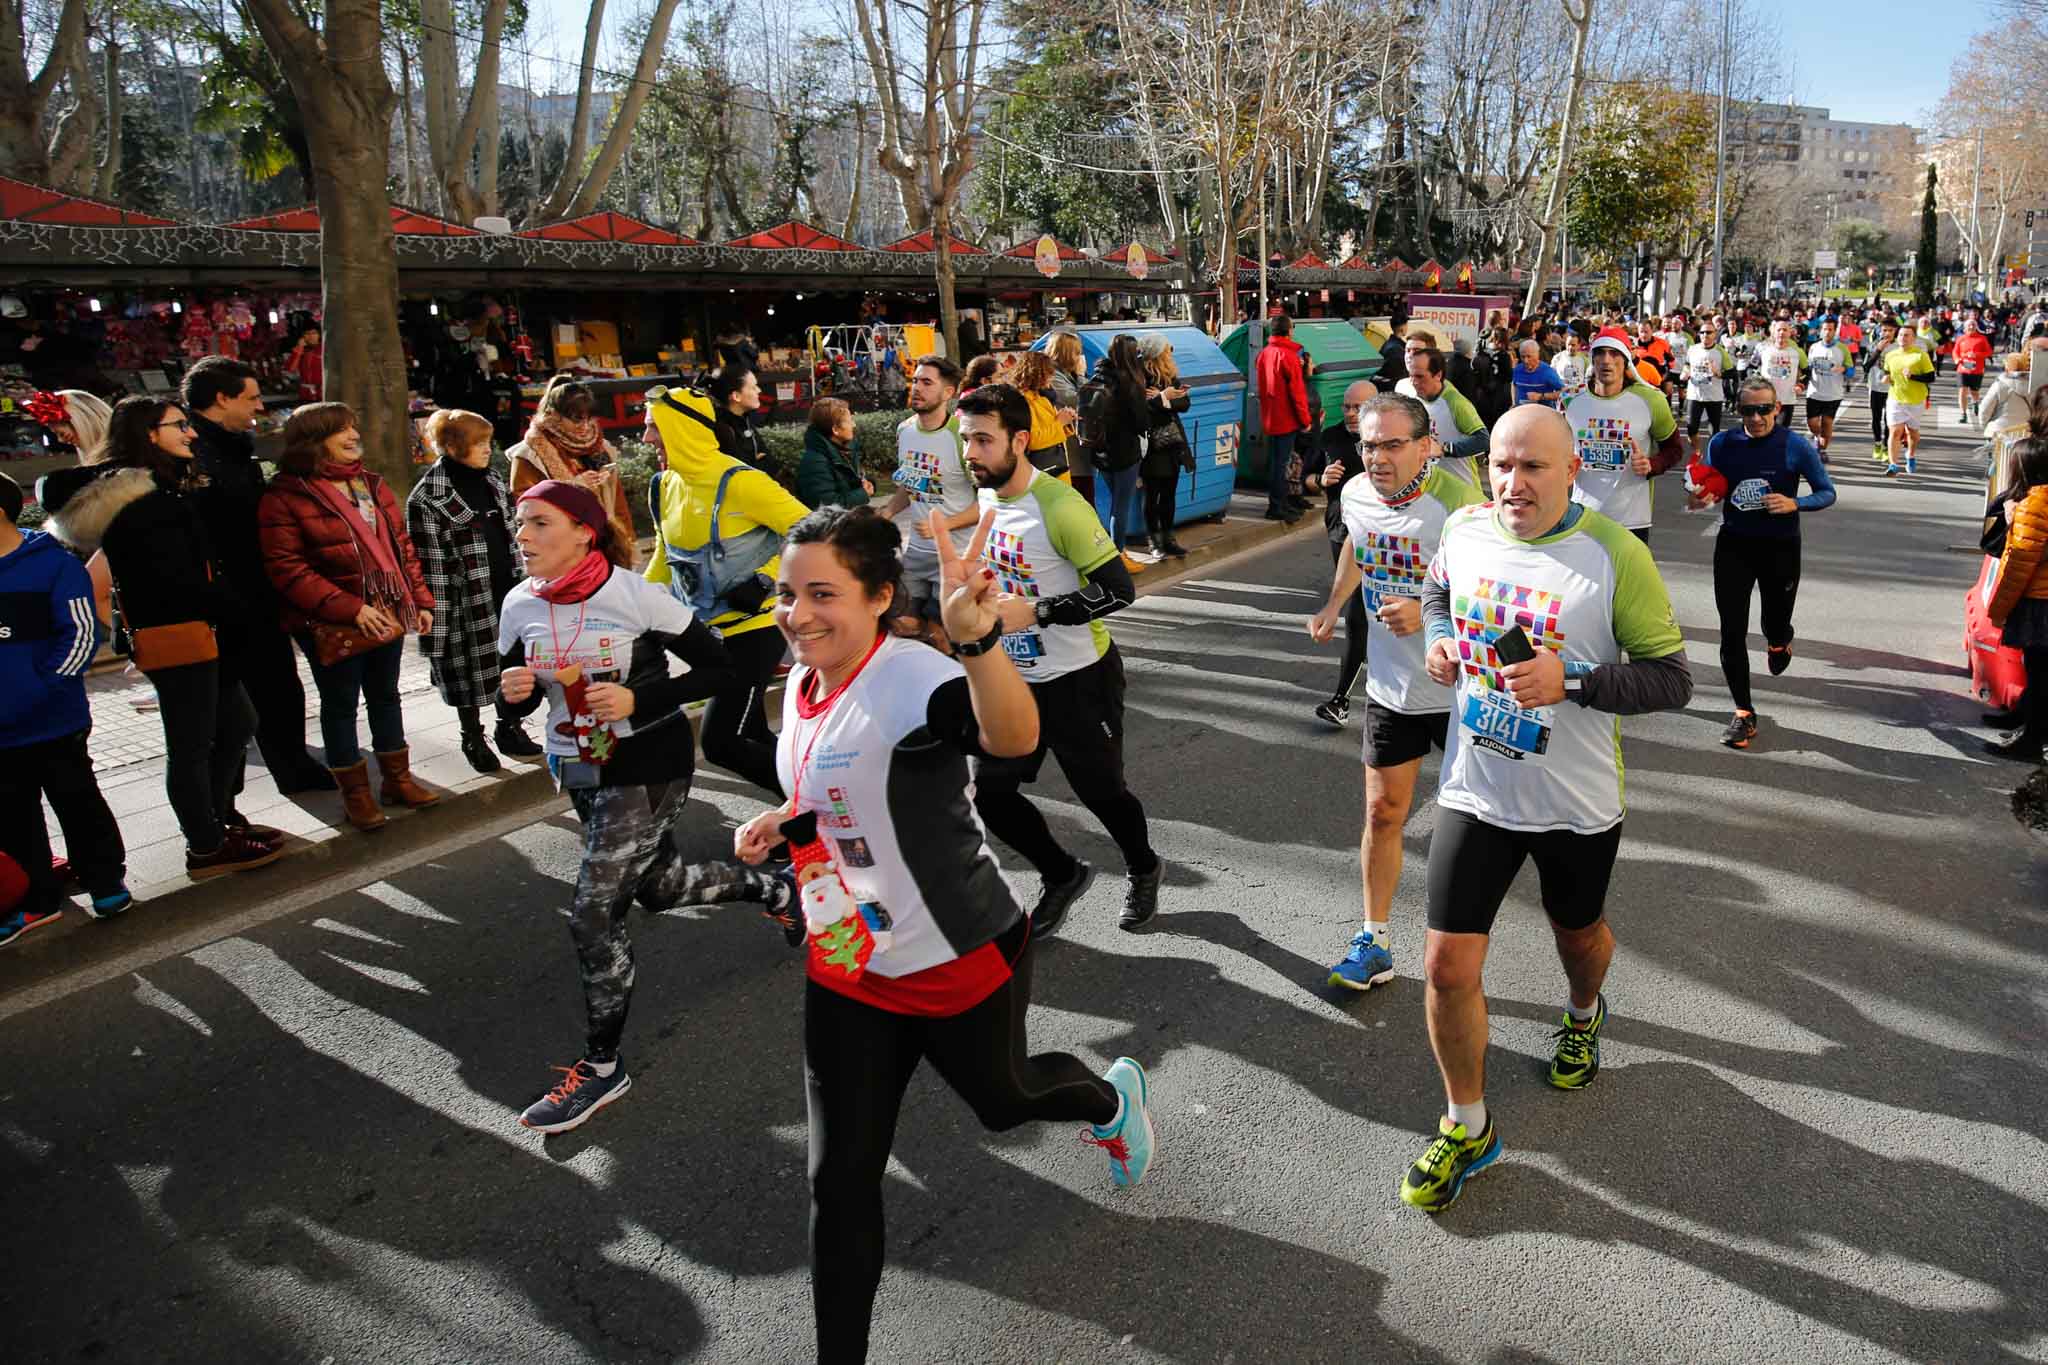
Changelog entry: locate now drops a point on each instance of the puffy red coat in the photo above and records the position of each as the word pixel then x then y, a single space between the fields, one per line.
pixel 1283 395
pixel 311 559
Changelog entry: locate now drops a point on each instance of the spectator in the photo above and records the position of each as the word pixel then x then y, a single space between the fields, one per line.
pixel 1393 352
pixel 459 517
pixel 1049 442
pixel 304 365
pixel 336 549
pixel 1069 369
pixel 79 420
pixel 564 442
pixel 1283 412
pixel 142 515
pixel 47 638
pixel 980 370
pixel 1122 373
pixel 2019 605
pixel 829 473
pixel 1167 452
pixel 736 393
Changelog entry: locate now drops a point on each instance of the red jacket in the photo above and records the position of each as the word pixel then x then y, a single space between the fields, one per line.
pixel 311 559
pixel 1972 350
pixel 1283 387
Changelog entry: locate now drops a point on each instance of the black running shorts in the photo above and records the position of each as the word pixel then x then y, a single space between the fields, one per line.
pixel 1823 407
pixel 1695 410
pixel 1472 864
pixel 1972 382
pixel 1395 737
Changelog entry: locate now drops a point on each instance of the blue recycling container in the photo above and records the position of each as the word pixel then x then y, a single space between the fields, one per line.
pixel 1215 415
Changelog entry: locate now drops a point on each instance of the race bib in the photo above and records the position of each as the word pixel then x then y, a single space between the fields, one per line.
pixel 1748 496
pixel 1024 647
pixel 1497 722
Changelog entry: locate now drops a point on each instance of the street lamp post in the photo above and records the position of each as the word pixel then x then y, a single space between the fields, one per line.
pixel 1721 142
pixel 1976 199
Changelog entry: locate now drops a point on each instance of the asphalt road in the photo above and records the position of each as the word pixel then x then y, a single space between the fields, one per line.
pixel 1819 1131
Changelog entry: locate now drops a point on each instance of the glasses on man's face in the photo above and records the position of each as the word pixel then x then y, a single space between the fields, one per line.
pixel 1387 447
pixel 182 426
pixel 1757 409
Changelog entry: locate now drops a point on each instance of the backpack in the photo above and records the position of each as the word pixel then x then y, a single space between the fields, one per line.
pixel 1094 407
pixel 719 577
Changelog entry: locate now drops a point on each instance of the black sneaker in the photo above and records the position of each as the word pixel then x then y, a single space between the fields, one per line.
pixel 1741 730
pixel 236 854
pixel 582 1092
pixel 1337 711
pixel 511 741
pixel 479 754
pixel 1778 658
pixel 1141 897
pixel 1055 900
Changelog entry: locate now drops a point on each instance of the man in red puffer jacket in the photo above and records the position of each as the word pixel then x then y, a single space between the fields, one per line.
pixel 1281 375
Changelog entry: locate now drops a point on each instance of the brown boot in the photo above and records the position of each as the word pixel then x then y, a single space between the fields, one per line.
pixel 399 787
pixel 356 801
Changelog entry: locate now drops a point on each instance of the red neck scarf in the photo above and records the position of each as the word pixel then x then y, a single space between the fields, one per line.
pixel 590 574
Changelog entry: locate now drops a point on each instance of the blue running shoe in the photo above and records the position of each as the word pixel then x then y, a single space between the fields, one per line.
pixel 1912 465
pixel 1128 1142
pixel 1365 966
pixel 581 1093
pixel 111 904
pixel 19 921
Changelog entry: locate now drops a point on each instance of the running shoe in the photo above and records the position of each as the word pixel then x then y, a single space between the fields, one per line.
pixel 1741 730
pixel 111 904
pixel 1141 897
pixel 1577 1060
pixel 1892 471
pixel 1912 465
pixel 1365 966
pixel 22 919
pixel 1778 658
pixel 1434 1182
pixel 1336 711
pixel 1054 900
pixel 581 1093
pixel 1128 1141
pixel 1879 452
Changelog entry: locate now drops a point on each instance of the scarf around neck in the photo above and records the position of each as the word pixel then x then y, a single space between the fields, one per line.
pixel 581 441
pixel 376 558
pixel 592 572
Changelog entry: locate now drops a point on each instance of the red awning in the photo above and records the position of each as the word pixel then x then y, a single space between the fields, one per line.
pixel 22 202
pixel 606 226
pixel 1310 261
pixel 794 234
pixel 410 222
pixel 1122 255
pixel 1028 248
pixel 922 241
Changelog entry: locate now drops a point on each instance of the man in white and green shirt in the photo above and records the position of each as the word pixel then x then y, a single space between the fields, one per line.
pixel 1549 620
pixel 1459 432
pixel 931 473
pixel 1625 435
pixel 1781 361
pixel 1707 367
pixel 1573 364
pixel 1829 367
pixel 1059 575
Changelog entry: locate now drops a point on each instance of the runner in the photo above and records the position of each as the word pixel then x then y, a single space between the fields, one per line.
pixel 1707 365
pixel 917 949
pixel 1880 383
pixel 1459 432
pixel 1905 365
pixel 1060 576
pixel 616 740
pixel 1393 518
pixel 1757 550
pixel 931 472
pixel 1829 368
pixel 1575 364
pixel 1973 353
pixel 1783 363
pixel 1625 435
pixel 1534 381
pixel 1341 464
pixel 1533 769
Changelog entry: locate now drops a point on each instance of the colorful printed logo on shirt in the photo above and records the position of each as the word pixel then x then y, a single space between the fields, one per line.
pixel 1390 565
pixel 1496 720
pixel 839 816
pixel 1605 442
pixel 1004 553
pixel 1780 365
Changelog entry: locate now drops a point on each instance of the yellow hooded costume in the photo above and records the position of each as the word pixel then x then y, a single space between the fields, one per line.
pixel 683 419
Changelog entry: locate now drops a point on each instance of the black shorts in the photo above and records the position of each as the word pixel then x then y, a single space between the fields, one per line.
pixel 1696 409
pixel 1823 407
pixel 1472 864
pixel 1396 737
pixel 1084 708
pixel 1972 382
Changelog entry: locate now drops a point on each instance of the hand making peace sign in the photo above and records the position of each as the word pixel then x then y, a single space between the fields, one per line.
pixel 967 588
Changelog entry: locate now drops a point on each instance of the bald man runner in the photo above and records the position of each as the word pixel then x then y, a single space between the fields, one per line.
pixel 1533 767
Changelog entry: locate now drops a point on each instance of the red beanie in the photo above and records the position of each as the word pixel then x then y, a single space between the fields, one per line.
pixel 573 498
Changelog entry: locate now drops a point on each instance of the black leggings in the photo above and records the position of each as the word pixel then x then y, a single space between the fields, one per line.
pixel 1081 722
pixel 2034 701
pixel 1770 566
pixel 857 1061
pixel 735 733
pixel 1159 507
pixel 1357 627
pixel 1878 431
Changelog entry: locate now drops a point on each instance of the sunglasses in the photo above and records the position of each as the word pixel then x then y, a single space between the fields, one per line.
pixel 1757 409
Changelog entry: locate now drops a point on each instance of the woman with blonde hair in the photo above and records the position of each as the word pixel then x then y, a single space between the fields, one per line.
pixel 564 442
pixel 1166 450
pixel 460 519
pixel 1049 444
pixel 1069 368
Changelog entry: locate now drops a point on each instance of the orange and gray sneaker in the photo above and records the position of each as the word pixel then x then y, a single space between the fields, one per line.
pixel 1741 730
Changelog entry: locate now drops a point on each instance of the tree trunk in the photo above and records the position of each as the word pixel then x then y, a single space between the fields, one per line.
pixel 860 171
pixel 1553 208
pixel 627 113
pixel 557 205
pixel 942 273
pixel 411 179
pixel 110 159
pixel 25 99
pixel 71 146
pixel 488 134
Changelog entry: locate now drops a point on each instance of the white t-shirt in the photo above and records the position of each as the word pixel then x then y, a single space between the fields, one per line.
pixel 1041 543
pixel 1588 593
pixel 1392 545
pixel 1608 432
pixel 1780 365
pixel 1829 370
pixel 597 633
pixel 1705 368
pixel 932 469
pixel 1574 368
pixel 893 810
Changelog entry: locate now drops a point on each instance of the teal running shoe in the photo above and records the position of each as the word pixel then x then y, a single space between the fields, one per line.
pixel 1365 966
pixel 1128 1143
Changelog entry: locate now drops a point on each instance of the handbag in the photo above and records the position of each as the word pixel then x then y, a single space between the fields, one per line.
pixel 332 643
pixel 187 642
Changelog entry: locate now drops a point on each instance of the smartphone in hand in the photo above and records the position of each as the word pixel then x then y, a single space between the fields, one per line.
pixel 1512 646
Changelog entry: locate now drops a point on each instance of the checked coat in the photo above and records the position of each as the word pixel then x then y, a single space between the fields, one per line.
pixel 462 649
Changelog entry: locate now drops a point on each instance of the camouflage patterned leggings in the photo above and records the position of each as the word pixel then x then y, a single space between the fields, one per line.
pixel 628 855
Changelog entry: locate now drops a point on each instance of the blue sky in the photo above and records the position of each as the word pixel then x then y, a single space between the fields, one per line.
pixel 1876 61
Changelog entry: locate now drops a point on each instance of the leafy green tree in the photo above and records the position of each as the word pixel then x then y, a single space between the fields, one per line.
pixel 1863 245
pixel 1633 178
pixel 1930 243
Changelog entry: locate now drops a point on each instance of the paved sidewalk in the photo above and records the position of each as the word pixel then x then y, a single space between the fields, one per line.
pixel 128 749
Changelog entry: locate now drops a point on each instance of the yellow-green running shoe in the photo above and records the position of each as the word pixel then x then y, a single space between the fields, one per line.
pixel 1577 1060
pixel 1432 1183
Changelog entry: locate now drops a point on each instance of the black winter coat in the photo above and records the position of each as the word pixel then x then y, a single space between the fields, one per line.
pixel 227 504
pixel 157 549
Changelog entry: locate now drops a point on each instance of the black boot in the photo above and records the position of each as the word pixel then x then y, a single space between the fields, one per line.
pixel 512 741
pixel 473 747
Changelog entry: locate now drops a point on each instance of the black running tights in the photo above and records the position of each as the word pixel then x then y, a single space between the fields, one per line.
pixel 1769 565
pixel 735 733
pixel 1357 627
pixel 857 1061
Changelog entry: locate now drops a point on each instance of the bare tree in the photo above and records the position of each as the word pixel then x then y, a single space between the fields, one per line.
pixel 571 179
pixel 465 162
pixel 26 100
pixel 590 182
pixel 1581 19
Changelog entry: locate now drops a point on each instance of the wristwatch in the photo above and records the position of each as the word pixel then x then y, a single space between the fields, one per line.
pixel 974 649
pixel 1042 609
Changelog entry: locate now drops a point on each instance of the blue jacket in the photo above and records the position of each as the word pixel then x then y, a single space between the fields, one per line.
pixel 48 634
pixel 1774 464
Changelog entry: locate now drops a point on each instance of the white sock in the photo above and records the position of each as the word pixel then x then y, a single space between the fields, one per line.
pixel 604 1068
pixel 1117 1121
pixel 1472 1115
pixel 1380 935
pixel 1581 1016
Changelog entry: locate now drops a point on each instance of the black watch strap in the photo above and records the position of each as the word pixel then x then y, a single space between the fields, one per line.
pixel 974 649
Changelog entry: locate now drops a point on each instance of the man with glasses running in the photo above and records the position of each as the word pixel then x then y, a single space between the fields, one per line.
pixel 1544 614
pixel 1757 551
pixel 1393 518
